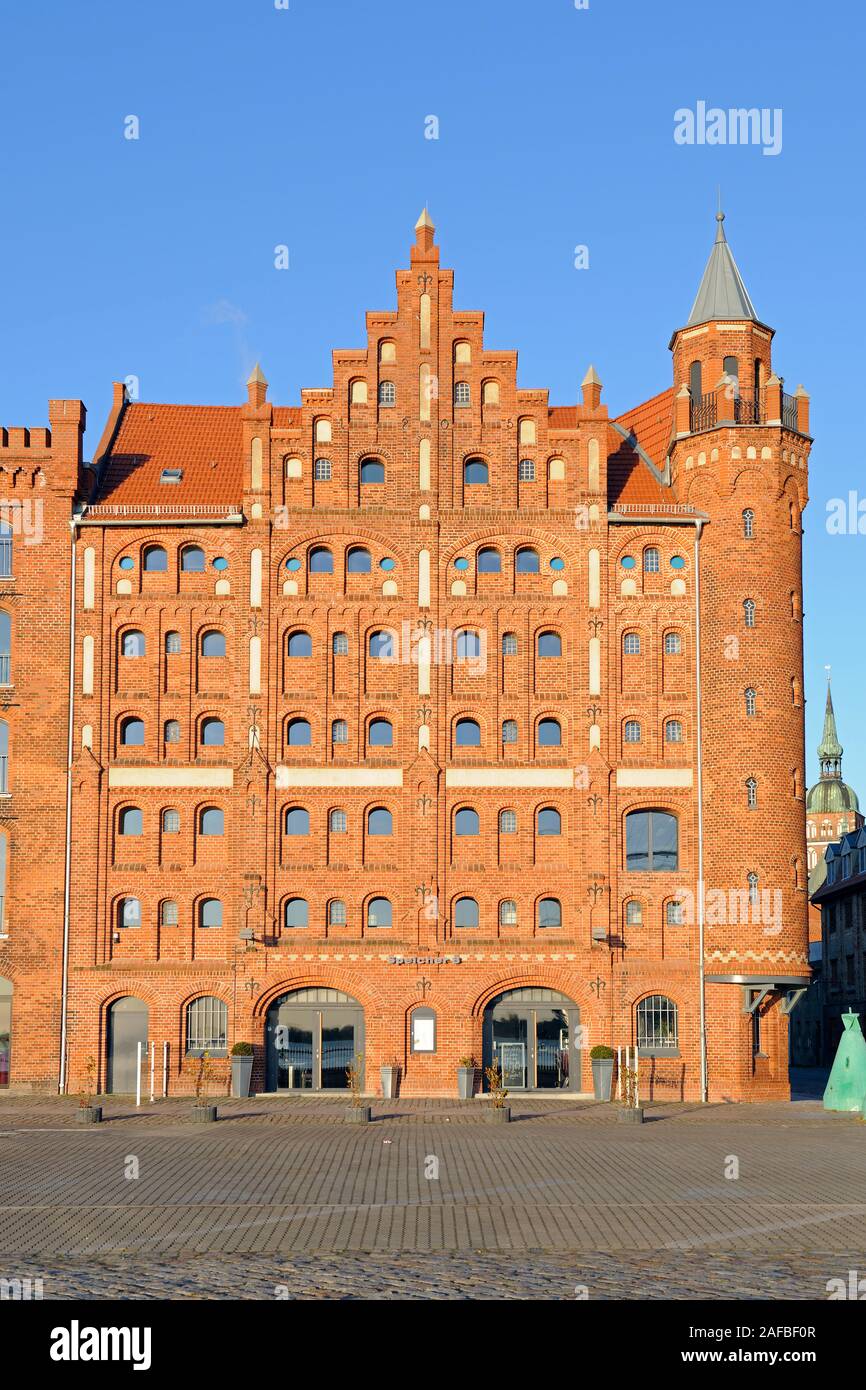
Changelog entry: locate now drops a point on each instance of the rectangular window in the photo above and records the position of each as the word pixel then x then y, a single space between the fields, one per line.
pixel 322 470
pixel 526 471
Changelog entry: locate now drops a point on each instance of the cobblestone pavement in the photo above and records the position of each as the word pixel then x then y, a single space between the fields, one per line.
pixel 431 1200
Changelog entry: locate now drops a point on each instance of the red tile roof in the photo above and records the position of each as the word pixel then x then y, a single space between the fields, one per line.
pixel 205 441
pixel 629 480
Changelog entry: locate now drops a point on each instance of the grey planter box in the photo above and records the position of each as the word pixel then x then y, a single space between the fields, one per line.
pixel 465 1082
pixel 631 1115
pixel 90 1115
pixel 204 1114
pixel 242 1070
pixel 390 1079
pixel 501 1116
pixel 602 1077
pixel 358 1115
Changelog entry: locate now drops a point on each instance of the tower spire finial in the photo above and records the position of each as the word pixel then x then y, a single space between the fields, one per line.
pixel 722 293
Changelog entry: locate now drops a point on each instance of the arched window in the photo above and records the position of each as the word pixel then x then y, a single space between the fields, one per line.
pixel 338 822
pixel 794 515
pixel 155 559
pixel 211 821
pixel 321 560
pixel 475 473
pixel 466 912
pixel 549 733
pixel 673 731
pixel 171 731
pixel 632 731
pixel 339 731
pixel 4 757
pixel 468 646
pixel 526 560
pixel 207 1025
pixel 372 471
pixel 695 380
pixel 749 524
pixel 213 733
pixel 507 822
pixel 379 912
pixel 336 913
pixel 380 733
pixel 299 734
pixel 526 470
pixel 657 1026
pixel 466 822
pixel 381 645
pixel 340 644
pixel 192 560
pixel 549 821
pixel 651 560
pixel 168 915
pixel 674 914
pixel 130 913
pixel 509 731
pixel 131 821
pixel 132 643
pixel 673 644
pixel 213 643
pixel 508 913
pixel 5 550
pixel 549 644
pixel 300 644
pixel 322 470
pixel 631 644
pixel 170 821
pixel 749 612
pixel 467 733
pixel 489 561
pixel 297 913
pixel 172 644
pixel 752 796
pixel 651 841
pixel 633 912
pixel 752 880
pixel 462 394
pixel 132 733
pixel 358 560
pixel 387 393
pixel 509 644
pixel 380 821
pixel 549 912
pixel 731 368
pixel 751 702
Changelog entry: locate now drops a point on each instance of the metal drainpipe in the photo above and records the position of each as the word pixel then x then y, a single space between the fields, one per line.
pixel 68 861
pixel 700 772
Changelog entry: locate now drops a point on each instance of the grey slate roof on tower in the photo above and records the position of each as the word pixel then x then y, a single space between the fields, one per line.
pixel 722 294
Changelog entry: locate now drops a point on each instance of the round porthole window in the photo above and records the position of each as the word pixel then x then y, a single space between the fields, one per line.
pixel 627 562
pixel 387 563
pixel 557 563
pixel 462 563
pixel 127 563
pixel 220 563
pixel 677 562
pixel 293 564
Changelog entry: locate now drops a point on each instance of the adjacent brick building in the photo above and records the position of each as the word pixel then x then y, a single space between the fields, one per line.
pixel 387 733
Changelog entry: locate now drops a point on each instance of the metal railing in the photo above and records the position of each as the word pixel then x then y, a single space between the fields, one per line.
pixel 742 408
pixel 789 411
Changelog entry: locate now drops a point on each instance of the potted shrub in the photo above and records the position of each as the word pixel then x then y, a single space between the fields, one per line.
pixel 203 1111
pixel 466 1078
pixel 242 1068
pixel 88 1113
pixel 358 1113
pixel 602 1071
pixel 390 1074
pixel 500 1113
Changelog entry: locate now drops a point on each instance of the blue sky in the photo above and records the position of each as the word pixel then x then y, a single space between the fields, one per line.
pixel 305 127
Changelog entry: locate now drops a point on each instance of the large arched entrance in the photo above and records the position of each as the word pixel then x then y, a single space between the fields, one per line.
pixel 312 1038
pixel 5 1029
pixel 534 1034
pixel 127 1027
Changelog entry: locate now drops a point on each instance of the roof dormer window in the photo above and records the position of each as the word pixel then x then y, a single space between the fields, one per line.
pixel 171 475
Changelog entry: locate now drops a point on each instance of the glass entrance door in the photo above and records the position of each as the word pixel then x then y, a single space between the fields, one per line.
pixel 510 1036
pixel 551 1049
pixel 311 1049
pixel 338 1048
pixel 296 1046
pixel 533 1033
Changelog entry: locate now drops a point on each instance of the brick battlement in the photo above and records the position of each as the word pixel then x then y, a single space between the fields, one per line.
pixel 16 439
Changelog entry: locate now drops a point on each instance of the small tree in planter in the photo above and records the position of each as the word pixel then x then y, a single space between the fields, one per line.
pixel 498 1094
pixel 358 1112
pixel 203 1110
pixel 242 1068
pixel 88 1113
pixel 630 1111
pixel 601 1058
pixel 466 1077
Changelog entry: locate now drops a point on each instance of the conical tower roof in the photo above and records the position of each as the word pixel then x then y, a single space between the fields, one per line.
pixel 722 293
pixel 830 795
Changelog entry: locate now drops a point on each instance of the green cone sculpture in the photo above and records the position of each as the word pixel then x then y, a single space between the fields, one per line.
pixel 846 1089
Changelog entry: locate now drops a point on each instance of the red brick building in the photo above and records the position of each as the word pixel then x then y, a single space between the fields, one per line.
pixel 407 722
